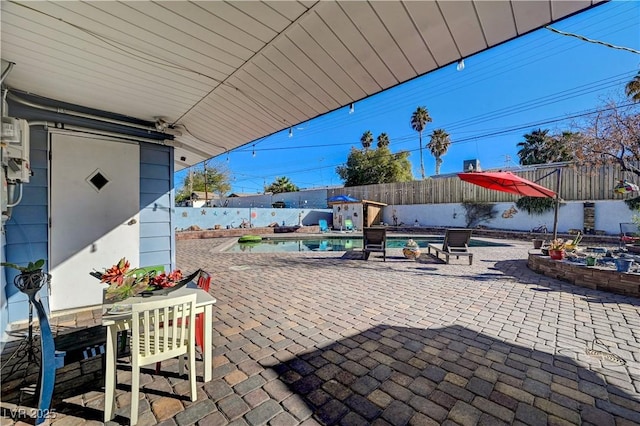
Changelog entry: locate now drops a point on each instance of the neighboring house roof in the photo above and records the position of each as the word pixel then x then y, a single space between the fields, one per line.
pixel 243 194
pixel 201 195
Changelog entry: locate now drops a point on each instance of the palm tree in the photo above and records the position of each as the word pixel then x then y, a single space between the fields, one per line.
pixel 366 139
pixel 281 184
pixel 439 145
pixel 533 148
pixel 419 120
pixel 383 140
pixel 632 89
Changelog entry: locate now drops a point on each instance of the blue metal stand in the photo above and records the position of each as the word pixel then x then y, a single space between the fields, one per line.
pixel 47 363
pixel 30 284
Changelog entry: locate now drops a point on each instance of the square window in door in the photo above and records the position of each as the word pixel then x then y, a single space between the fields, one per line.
pixel 97 180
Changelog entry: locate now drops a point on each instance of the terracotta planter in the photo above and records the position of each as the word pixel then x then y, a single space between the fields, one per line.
pixel 537 243
pixel 556 254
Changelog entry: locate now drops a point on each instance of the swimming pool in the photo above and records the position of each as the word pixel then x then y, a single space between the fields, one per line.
pixel 333 243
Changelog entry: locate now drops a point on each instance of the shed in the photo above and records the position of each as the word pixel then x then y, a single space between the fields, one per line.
pixel 362 213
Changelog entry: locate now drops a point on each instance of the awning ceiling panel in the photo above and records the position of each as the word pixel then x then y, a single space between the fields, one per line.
pixel 232 72
pixel 497 22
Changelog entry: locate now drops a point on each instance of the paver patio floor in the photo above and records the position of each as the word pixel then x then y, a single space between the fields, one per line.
pixel 326 338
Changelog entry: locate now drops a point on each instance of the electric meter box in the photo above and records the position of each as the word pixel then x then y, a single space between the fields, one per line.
pixel 15 138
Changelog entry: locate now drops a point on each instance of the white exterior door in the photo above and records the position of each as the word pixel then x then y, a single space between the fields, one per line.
pixel 94 210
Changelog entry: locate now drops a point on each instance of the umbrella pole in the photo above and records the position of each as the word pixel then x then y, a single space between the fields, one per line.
pixel 555 212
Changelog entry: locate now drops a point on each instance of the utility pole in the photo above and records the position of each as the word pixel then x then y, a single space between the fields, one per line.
pixel 507 161
pixel 206 194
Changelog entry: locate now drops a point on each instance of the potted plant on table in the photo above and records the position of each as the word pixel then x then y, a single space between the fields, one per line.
pixel 125 282
pixel 557 249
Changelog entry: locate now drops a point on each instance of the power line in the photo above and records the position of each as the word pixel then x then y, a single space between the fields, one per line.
pixel 443 81
pixel 528 50
pixel 589 40
pixel 476 137
pixel 400 140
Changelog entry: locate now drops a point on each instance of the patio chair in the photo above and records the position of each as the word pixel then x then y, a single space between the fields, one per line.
pixel 629 234
pixel 204 282
pixel 455 243
pixel 162 330
pixel 324 227
pixel 374 240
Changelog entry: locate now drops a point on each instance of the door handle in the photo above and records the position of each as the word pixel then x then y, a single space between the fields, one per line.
pixel 132 222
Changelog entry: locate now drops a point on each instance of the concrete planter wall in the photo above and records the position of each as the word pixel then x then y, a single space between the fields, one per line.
pixel 590 277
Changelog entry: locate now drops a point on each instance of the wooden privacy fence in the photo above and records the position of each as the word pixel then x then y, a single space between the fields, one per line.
pixel 577 184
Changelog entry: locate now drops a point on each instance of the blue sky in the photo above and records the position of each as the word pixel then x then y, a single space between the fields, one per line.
pixel 539 80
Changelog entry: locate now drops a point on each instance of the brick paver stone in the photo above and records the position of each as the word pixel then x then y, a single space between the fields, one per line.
pixel 326 338
pixel 233 406
pixel 164 408
pixel 263 412
pixel 398 413
pixel 195 412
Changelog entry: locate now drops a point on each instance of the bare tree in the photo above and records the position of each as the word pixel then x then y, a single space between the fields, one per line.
pixel 610 136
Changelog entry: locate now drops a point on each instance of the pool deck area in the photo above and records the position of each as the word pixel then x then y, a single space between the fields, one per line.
pixel 327 338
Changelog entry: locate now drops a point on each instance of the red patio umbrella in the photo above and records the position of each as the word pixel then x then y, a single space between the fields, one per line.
pixel 507 182
pixel 514 184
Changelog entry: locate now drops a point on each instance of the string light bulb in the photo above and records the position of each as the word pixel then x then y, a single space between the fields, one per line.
pixel 253 153
pixel 352 108
pixel 460 65
pixel 290 132
pixel 227 156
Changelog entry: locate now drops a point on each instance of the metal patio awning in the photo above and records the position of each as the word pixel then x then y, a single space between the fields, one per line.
pixel 231 72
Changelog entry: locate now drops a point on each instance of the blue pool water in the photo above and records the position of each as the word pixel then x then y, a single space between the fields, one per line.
pixel 333 243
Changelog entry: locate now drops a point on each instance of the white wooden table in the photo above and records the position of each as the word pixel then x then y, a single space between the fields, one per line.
pixel 122 322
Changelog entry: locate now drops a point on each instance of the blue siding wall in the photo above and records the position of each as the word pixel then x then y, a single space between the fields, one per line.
pixel 156 201
pixel 27 231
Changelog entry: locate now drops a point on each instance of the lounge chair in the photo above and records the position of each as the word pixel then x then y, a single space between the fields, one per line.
pixel 455 243
pixel 324 227
pixel 348 225
pixel 374 240
pixel 629 234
